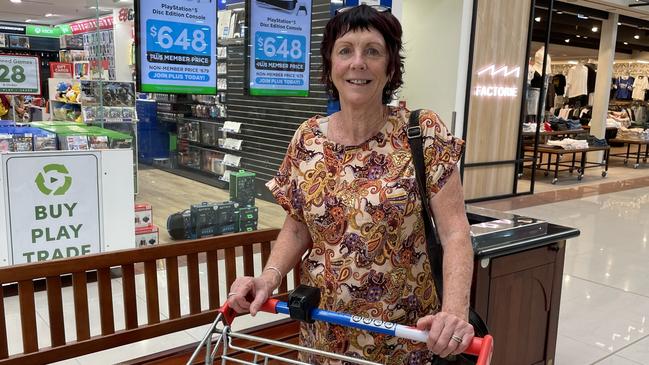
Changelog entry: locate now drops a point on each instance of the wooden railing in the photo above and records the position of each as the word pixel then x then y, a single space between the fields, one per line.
pixel 130 262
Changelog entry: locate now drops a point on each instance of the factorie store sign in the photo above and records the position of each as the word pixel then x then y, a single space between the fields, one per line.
pixel 497 81
pixel 281 36
pixel 177 46
pixel 53 206
pixel 20 75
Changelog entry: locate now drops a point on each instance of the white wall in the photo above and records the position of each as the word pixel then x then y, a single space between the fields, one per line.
pixel 436 44
pixel 122 31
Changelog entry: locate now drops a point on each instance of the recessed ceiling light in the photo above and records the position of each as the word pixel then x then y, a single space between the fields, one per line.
pixel 29 20
pixel 48 15
pixel 582 16
pixel 567 40
pixel 636 36
pixel 559 12
pixel 618 23
pixel 537 19
pixel 585 37
pixel 16 1
pixel 594 29
pixel 578 36
pixel 626 43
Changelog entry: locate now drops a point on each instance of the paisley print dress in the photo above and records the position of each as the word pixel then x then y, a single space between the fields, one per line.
pixel 362 207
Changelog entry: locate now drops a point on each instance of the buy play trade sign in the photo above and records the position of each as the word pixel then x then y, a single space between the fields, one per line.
pixel 57 214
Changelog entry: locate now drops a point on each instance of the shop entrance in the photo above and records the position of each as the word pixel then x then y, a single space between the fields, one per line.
pixel 584 114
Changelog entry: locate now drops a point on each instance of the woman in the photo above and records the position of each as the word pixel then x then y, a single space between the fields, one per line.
pixel 348 185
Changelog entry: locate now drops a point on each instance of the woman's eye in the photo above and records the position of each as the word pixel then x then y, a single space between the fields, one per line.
pixel 344 51
pixel 373 52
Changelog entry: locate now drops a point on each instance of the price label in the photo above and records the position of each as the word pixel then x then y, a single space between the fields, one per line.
pixel 14 74
pixel 280 47
pixel 19 75
pixel 178 38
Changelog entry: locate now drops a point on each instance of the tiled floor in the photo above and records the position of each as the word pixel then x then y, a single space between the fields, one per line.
pixel 604 317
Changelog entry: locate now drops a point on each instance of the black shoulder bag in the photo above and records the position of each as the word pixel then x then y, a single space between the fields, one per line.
pixel 433 245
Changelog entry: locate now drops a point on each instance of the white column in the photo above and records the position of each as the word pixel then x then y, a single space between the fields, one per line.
pixel 605 59
pixel 122 38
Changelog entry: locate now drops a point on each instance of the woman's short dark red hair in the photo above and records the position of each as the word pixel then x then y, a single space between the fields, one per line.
pixel 364 17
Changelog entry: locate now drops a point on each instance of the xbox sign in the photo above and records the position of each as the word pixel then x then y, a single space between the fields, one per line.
pixel 53 206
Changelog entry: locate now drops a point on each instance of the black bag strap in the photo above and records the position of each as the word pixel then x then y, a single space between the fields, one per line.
pixel 433 244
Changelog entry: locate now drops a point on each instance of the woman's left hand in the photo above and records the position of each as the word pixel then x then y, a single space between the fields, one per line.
pixel 448 334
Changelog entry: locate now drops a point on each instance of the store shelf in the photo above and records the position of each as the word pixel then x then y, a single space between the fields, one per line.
pixel 196 175
pixel 231 41
pixel 217 120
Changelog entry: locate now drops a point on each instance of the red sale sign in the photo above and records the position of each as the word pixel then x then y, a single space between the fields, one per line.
pixel 90 25
pixel 61 70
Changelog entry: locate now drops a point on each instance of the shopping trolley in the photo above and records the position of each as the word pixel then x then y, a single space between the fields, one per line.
pixel 218 341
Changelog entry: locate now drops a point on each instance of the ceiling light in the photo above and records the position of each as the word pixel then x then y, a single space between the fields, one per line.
pixel 618 23
pixel 594 29
pixel 49 15
pixel 626 43
pixel 16 1
pixel 537 19
pixel 559 12
pixel 636 36
pixel 567 40
pixel 29 20
pixel 585 37
pixel 582 16
pixel 578 36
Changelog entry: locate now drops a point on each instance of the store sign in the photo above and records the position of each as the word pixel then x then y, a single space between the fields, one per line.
pixel 177 46
pixel 11 28
pixel 90 25
pixel 126 15
pixel 53 206
pixel 61 70
pixel 39 31
pixel 64 29
pixel 280 32
pixel 497 81
pixel 19 75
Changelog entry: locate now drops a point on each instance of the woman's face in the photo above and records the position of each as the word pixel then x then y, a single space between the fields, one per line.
pixel 359 67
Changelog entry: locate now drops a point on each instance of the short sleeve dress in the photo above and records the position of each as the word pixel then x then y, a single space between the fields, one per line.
pixel 362 207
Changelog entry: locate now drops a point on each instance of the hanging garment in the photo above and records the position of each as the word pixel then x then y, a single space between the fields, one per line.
pixel 640 85
pixel 624 87
pixel 559 82
pixel 577 81
pixel 592 76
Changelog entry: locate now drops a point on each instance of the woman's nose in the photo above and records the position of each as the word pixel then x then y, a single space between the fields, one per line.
pixel 358 62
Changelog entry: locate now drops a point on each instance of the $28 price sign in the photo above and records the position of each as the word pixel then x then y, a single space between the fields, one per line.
pixel 178 38
pixel 280 47
pixel 14 74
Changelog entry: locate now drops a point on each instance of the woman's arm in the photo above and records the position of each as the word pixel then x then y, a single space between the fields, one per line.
pixel 453 227
pixel 292 242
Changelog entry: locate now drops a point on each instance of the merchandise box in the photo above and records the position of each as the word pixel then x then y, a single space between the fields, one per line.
pixel 22 143
pixel 73 142
pixel 98 142
pixel 146 236
pixel 6 143
pixel 143 215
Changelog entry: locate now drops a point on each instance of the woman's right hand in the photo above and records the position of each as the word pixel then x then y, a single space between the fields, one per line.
pixel 247 294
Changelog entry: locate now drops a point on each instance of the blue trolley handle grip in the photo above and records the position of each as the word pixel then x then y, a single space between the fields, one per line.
pixel 481 347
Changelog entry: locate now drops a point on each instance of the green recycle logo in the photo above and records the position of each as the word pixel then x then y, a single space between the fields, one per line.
pixel 52 184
